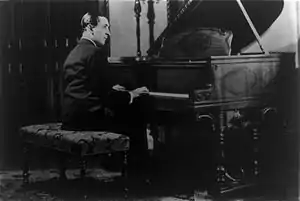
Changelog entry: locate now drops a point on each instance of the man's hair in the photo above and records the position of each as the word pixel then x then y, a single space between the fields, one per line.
pixel 90 18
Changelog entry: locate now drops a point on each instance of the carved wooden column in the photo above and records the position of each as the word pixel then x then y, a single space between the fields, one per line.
pixel 151 18
pixel 137 11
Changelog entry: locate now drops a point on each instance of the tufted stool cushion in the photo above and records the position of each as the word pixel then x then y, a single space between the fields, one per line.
pixel 75 142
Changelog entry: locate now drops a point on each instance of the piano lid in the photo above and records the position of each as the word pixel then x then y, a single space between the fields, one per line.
pixel 225 15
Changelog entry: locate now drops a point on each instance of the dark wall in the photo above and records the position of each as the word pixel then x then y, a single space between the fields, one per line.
pixel 35 38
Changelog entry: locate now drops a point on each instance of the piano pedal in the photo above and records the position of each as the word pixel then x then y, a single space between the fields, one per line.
pixel 237 178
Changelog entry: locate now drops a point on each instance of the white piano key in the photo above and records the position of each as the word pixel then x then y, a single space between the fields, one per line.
pixel 169 95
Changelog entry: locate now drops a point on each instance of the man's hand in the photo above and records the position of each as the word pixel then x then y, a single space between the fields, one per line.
pixel 134 93
pixel 139 91
pixel 119 88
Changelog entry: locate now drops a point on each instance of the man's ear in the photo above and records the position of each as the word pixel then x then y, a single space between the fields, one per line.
pixel 90 28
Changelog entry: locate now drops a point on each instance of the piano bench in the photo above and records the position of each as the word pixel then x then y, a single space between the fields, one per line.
pixel 78 143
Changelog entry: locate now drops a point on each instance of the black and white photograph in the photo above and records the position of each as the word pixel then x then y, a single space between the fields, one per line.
pixel 149 100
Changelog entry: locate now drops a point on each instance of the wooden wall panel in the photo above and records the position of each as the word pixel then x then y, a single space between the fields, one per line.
pixel 38 36
pixel 5 28
pixel 35 33
pixel 9 90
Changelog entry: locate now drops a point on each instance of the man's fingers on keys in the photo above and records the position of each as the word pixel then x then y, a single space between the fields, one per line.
pixel 119 88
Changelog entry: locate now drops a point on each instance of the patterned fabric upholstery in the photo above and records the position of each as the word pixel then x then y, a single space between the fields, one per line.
pixel 75 142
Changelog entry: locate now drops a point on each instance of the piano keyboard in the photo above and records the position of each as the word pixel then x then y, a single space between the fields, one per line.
pixel 169 95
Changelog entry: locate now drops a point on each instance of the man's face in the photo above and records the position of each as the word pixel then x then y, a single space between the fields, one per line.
pixel 101 31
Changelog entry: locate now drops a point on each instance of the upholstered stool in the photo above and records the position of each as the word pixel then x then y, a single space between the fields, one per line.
pixel 79 143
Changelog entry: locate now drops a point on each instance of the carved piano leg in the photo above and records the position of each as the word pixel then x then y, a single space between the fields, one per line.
pixel 226 182
pixel 235 153
pixel 255 151
pixel 271 155
pixel 125 173
pixel 209 123
pixel 221 159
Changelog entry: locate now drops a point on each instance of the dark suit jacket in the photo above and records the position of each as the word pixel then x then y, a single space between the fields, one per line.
pixel 88 87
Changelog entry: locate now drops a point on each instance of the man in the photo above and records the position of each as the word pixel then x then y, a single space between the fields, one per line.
pixel 91 100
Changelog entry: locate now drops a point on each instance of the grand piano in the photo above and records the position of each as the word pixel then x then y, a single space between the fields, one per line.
pixel 191 78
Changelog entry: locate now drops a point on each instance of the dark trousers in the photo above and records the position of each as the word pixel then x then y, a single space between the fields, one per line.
pixel 133 121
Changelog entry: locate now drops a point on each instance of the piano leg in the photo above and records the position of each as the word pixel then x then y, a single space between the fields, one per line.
pixel 255 151
pixel 225 181
pixel 220 176
pixel 221 155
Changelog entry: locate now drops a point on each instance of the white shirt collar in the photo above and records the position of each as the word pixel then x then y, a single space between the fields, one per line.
pixel 89 40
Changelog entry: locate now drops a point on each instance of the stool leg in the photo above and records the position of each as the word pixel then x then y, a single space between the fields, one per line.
pixel 125 173
pixel 62 166
pixel 82 164
pixel 25 163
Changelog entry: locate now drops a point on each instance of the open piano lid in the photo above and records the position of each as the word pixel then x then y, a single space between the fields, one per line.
pixel 224 14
